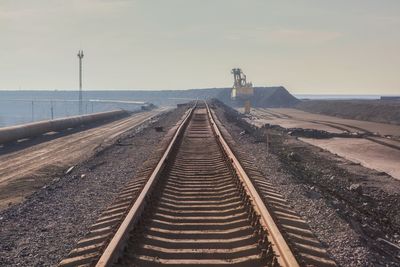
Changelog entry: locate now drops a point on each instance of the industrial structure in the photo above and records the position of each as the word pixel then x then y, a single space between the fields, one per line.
pixel 25 131
pixel 242 91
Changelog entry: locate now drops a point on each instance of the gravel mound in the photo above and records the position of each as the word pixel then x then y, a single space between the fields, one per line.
pixel 384 111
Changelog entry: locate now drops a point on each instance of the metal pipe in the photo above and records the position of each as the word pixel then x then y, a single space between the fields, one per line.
pixel 15 133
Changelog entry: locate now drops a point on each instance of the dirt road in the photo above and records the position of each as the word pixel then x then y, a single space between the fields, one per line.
pixel 369 154
pixel 379 149
pixel 24 171
pixel 290 118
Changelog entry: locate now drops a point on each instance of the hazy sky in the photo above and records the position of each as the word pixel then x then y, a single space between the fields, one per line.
pixel 308 46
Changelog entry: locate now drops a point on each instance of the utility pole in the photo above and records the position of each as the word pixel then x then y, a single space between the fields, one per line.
pixel 52 110
pixel 32 112
pixel 80 56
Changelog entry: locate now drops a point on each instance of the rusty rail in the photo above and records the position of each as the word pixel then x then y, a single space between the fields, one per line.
pixel 111 251
pixel 268 241
pixel 281 248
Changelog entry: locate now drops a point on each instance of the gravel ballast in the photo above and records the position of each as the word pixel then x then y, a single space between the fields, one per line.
pixel 44 228
pixel 348 233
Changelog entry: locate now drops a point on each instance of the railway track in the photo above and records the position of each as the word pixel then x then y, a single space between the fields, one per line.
pixel 196 207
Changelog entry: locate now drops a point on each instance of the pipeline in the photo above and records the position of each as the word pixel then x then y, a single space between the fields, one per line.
pixel 15 133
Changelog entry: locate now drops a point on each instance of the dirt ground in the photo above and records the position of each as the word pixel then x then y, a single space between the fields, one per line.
pixel 24 170
pixel 291 118
pixel 359 150
pixel 379 149
pixel 353 210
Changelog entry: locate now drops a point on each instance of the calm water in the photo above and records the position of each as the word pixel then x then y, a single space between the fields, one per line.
pixel 18 107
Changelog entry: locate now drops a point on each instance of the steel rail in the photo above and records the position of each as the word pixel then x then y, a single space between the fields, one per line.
pixel 284 254
pixel 110 253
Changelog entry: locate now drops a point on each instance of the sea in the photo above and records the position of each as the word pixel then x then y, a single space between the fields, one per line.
pixel 20 107
pixel 24 106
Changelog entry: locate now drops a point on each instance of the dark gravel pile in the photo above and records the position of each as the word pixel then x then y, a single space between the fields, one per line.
pixel 43 229
pixel 337 216
pixel 384 111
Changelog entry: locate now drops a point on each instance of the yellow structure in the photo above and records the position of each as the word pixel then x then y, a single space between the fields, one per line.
pixel 242 90
pixel 247 107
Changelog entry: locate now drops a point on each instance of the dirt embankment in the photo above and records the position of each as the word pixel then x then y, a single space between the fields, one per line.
pixel 24 167
pixel 383 111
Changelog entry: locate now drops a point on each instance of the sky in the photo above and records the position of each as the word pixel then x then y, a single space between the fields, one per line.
pixel 308 46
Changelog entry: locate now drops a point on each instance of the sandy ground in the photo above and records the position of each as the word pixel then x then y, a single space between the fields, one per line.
pixel 24 171
pixel 376 152
pixel 363 151
pixel 284 116
pixel 263 117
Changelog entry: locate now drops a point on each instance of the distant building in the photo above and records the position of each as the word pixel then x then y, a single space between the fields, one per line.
pixel 390 97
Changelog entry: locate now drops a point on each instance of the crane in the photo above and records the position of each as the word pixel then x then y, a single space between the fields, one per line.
pixel 242 91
